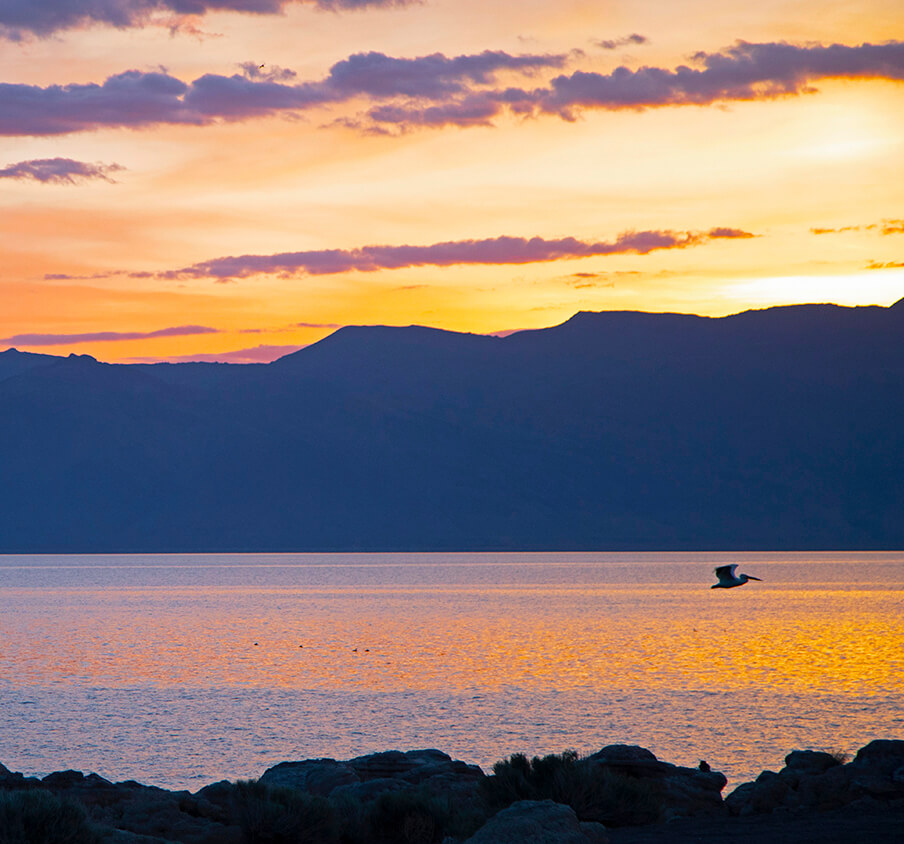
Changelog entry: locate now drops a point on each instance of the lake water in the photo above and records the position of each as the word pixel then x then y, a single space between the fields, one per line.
pixel 179 670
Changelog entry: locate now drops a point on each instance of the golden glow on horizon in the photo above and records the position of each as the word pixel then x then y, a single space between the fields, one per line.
pixel 830 159
pixel 877 287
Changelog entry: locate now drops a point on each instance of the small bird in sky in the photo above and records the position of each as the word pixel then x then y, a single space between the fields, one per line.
pixel 728 578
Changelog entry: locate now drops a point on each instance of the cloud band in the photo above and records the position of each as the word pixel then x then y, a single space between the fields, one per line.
pixel 497 250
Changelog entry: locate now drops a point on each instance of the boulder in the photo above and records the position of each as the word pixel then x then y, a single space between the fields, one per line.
pixel 363 792
pixel 817 780
pixel 67 779
pixel 316 776
pixel 810 761
pixel 684 792
pixel 881 757
pixel 431 770
pixel 414 766
pixel 538 822
pixel 12 779
pixel 138 813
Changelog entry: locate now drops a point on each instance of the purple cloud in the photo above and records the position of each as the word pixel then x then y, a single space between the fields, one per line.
pixel 136 99
pixel 497 250
pixel 69 277
pixel 62 171
pixel 437 90
pixel 615 43
pixel 433 77
pixel 742 72
pixel 104 336
pixel 22 18
pixel 473 110
pixel 722 232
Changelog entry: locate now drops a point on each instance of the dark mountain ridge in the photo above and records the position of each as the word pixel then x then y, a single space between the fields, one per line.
pixel 771 429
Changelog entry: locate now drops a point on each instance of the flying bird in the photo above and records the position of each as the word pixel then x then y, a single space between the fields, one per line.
pixel 728 578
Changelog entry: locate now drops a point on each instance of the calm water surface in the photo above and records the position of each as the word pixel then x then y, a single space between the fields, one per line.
pixel 179 670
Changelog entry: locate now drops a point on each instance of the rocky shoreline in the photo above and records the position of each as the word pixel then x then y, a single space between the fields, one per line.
pixel 622 795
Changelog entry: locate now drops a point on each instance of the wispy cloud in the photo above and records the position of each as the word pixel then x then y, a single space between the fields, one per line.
pixel 581 281
pixel 615 43
pixel 886 227
pixel 138 99
pixel 63 171
pixel 497 250
pixel 23 18
pixel 104 336
pixel 888 265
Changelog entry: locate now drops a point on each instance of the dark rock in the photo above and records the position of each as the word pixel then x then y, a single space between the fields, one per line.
pixel 142 814
pixel 630 757
pixel 316 776
pixel 365 791
pixel 63 779
pixel 122 836
pixel 538 822
pixel 395 763
pixel 816 780
pixel 810 761
pixel 14 780
pixel 453 769
pixel 594 832
pixel 766 794
pixel 684 791
pixel 882 756
pixel 431 771
pixel 217 792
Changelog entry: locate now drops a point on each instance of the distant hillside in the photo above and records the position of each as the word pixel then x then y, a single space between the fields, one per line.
pixel 772 429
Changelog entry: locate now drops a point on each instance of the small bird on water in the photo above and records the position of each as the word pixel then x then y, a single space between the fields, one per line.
pixel 728 578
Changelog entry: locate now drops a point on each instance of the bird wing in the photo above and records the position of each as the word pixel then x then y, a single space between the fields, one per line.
pixel 726 573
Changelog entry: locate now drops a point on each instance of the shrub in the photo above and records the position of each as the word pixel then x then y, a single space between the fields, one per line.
pixel 416 816
pixel 592 790
pixel 39 817
pixel 269 815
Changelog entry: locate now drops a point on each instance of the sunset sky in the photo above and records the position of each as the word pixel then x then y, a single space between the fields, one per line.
pixel 234 179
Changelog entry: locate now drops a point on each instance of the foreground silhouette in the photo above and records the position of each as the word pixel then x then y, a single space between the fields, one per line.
pixel 622 795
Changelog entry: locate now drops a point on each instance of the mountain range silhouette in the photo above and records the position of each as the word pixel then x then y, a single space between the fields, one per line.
pixel 777 429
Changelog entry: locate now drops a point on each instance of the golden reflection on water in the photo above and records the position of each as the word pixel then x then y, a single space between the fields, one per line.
pixel 793 640
pixel 187 669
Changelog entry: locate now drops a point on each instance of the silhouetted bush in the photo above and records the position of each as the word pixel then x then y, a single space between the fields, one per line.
pixel 593 791
pixel 269 815
pixel 414 816
pixel 39 817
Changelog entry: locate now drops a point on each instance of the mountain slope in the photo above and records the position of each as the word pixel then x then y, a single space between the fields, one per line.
pixel 768 429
